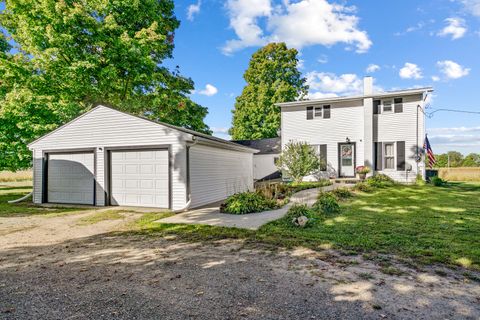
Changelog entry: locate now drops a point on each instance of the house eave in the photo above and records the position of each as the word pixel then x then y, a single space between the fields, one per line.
pixel 386 94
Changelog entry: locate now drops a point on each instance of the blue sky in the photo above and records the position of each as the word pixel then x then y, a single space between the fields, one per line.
pixel 405 43
pixel 402 44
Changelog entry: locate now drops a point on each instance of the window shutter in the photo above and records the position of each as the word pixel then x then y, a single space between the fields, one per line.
pixel 376 107
pixel 378 156
pixel 326 112
pixel 323 157
pixel 309 113
pixel 398 105
pixel 400 155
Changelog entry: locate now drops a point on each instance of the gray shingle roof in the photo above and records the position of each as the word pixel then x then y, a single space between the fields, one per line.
pixel 266 146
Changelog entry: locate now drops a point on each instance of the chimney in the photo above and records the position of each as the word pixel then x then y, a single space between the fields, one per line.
pixel 367 86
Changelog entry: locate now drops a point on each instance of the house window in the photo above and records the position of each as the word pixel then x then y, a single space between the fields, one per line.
pixel 387 106
pixel 389 155
pixel 321 151
pixel 318 112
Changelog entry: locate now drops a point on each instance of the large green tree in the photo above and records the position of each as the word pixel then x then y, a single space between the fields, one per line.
pixel 471 160
pixel 272 77
pixel 72 55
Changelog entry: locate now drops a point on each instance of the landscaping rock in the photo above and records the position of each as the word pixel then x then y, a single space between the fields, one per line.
pixel 300 221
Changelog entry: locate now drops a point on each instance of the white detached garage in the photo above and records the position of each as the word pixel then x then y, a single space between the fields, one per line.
pixel 107 157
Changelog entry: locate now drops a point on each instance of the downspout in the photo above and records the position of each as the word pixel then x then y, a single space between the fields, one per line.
pixel 189 194
pixel 21 199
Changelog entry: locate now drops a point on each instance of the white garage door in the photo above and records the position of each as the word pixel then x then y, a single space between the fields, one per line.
pixel 71 178
pixel 140 178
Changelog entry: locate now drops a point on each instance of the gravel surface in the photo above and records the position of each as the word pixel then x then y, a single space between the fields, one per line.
pixel 137 277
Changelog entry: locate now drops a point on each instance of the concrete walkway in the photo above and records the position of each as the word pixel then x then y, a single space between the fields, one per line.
pixel 210 215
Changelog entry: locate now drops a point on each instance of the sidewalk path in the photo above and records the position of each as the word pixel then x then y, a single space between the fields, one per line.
pixel 210 215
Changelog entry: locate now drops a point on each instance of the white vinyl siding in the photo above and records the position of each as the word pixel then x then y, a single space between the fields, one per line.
pixel 264 165
pixel 217 173
pixel 105 127
pixel 402 126
pixel 346 121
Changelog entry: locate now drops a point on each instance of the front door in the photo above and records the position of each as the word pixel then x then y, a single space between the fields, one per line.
pixel 347 159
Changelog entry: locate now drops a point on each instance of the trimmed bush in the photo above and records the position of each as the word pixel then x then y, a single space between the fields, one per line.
pixel 437 181
pixel 342 193
pixel 326 203
pixel 299 186
pixel 380 180
pixel 247 202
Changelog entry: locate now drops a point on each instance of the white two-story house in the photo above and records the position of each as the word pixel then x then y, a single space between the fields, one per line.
pixel 384 131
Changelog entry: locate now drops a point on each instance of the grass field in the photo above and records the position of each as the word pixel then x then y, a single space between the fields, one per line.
pixel 425 223
pixel 9 176
pixel 460 174
pixel 15 190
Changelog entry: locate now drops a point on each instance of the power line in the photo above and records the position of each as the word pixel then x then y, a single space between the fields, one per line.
pixel 430 114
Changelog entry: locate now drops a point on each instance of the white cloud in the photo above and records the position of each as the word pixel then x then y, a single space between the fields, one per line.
pixel 420 25
pixel 193 9
pixel 323 85
pixel 219 130
pixel 410 71
pixel 435 78
pixel 299 24
pixel 472 6
pixel 323 59
pixel 455 28
pixel 452 70
pixel 209 90
pixel 301 64
pixel 372 68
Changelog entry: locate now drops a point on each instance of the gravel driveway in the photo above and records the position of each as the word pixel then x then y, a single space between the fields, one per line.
pixel 136 277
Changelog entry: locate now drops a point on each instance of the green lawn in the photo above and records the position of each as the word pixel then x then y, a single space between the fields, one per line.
pixel 12 191
pixel 429 224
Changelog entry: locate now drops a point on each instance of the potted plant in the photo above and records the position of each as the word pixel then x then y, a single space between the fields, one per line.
pixel 362 171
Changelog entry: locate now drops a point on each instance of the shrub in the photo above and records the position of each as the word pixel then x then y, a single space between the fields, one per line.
pixel 380 180
pixel 298 159
pixel 247 202
pixel 419 180
pixel 326 203
pixel 299 186
pixel 363 187
pixel 299 210
pixel 342 193
pixel 437 181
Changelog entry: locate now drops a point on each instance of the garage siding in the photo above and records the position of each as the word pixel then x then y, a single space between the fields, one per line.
pixel 217 173
pixel 104 127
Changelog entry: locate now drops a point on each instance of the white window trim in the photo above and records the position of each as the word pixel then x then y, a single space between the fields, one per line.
pixel 392 105
pixel 394 155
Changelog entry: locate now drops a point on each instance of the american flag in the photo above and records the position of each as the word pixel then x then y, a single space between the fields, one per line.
pixel 429 152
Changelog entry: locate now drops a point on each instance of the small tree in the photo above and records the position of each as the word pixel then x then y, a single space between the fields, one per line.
pixel 298 160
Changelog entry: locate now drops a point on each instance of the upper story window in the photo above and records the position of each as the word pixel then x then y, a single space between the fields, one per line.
pixel 391 105
pixel 387 106
pixel 318 112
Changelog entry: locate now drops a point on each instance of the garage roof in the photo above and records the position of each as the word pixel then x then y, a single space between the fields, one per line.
pixel 202 136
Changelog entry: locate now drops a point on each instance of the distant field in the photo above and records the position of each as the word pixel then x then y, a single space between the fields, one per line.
pixel 8 176
pixel 460 174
